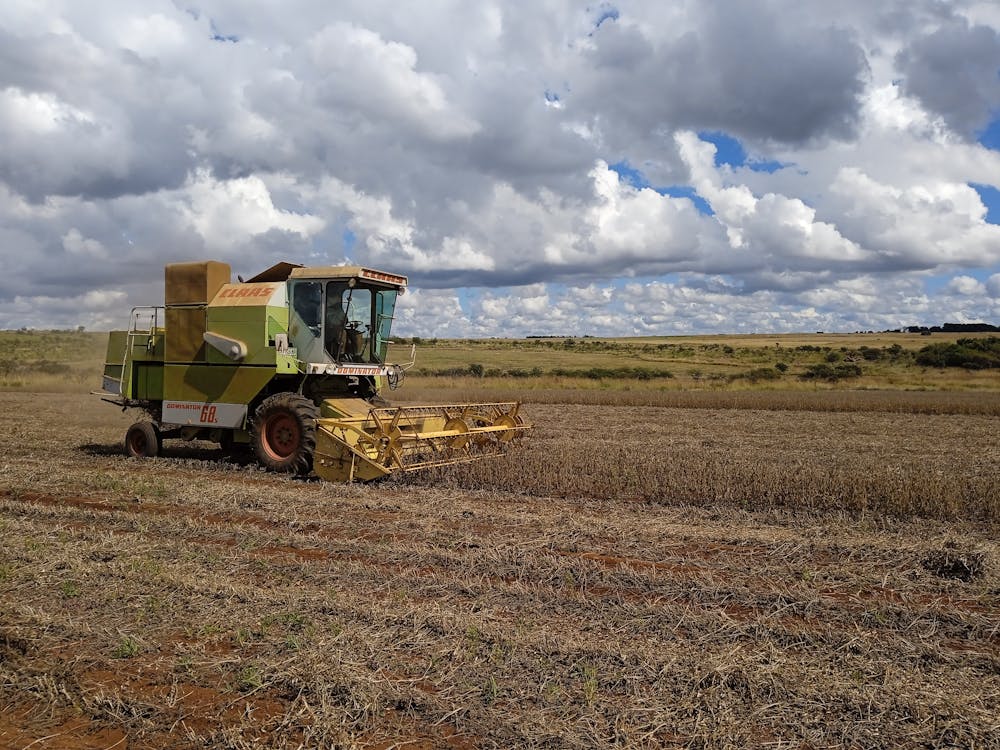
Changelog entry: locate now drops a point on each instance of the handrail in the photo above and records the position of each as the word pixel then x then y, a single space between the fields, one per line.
pixel 133 332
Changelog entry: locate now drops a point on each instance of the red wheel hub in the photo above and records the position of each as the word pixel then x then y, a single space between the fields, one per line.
pixel 282 436
pixel 137 443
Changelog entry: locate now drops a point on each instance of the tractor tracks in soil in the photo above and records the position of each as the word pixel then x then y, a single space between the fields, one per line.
pixel 412 553
pixel 688 574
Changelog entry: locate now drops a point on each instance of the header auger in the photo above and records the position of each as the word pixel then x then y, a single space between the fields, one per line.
pixel 291 364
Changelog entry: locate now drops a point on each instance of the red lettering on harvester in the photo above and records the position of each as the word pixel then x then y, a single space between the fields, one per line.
pixel 208 414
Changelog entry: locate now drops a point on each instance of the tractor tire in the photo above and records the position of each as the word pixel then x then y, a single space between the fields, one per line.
pixel 143 440
pixel 283 434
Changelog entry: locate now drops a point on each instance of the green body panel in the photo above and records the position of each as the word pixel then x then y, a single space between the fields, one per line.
pixel 255 326
pixel 143 373
pixel 232 384
pixel 277 321
pixel 147 381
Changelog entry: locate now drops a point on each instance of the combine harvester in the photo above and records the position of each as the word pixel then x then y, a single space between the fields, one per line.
pixel 290 363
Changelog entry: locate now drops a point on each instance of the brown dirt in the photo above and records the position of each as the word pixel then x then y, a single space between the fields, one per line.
pixel 189 602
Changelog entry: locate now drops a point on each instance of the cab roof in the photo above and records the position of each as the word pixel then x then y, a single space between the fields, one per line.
pixel 283 271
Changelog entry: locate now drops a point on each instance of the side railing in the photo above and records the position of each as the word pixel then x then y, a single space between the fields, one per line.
pixel 154 315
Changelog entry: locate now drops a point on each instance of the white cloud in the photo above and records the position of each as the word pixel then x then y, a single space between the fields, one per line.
pixel 966 286
pixel 468 145
pixel 228 212
pixel 630 223
pixel 76 244
pixel 928 225
pixel 993 286
pixel 360 70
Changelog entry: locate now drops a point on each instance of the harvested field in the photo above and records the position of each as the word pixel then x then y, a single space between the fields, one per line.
pixel 816 399
pixel 634 577
pixel 934 465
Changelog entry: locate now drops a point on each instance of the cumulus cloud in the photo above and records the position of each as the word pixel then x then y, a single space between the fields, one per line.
pixel 966 286
pixel 481 149
pixel 735 67
pixel 953 70
pixel 360 72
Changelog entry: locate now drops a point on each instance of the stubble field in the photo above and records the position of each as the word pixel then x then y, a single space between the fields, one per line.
pixel 631 576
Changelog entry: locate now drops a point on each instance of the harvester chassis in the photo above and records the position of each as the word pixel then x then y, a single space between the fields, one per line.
pixel 288 364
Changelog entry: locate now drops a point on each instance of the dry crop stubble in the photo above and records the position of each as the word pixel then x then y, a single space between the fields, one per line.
pixel 622 392
pixel 185 601
pixel 933 465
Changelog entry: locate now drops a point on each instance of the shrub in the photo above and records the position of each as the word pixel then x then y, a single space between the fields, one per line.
pixel 601 373
pixel 871 354
pixel 831 372
pixel 972 354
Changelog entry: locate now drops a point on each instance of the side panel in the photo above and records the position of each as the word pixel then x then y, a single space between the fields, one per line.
pixel 185 326
pixel 205 413
pixel 147 381
pixel 246 324
pixel 255 325
pixel 277 321
pixel 214 383
pixel 145 348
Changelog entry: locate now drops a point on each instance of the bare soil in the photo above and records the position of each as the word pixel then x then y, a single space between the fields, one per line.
pixel 644 577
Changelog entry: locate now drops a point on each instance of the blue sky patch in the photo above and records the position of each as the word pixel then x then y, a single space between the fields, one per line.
pixel 729 150
pixel 766 165
pixel 635 178
pixel 686 191
pixel 934 284
pixel 990 136
pixel 350 239
pixel 629 174
pixel 990 197
pixel 606 12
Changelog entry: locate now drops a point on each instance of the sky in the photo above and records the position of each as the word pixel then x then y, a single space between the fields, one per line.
pixel 542 168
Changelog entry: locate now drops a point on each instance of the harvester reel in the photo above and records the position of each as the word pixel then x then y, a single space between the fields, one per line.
pixel 457 425
pixel 143 440
pixel 387 439
pixel 510 421
pixel 284 433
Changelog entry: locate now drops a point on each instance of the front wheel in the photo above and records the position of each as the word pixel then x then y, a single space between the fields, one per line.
pixel 284 433
pixel 142 440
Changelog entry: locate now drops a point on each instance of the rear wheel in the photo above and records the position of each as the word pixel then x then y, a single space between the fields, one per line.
pixel 143 440
pixel 284 433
